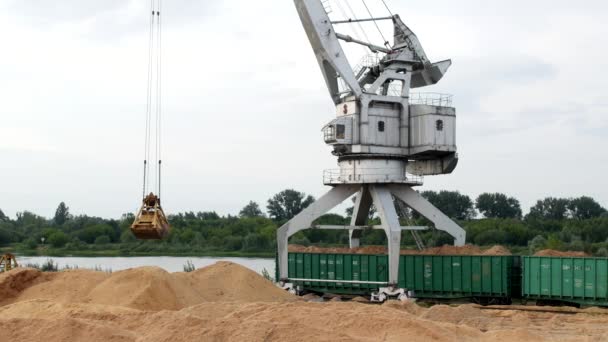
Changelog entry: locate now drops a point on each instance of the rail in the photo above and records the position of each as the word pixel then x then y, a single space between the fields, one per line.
pixel 431 99
pixel 370 175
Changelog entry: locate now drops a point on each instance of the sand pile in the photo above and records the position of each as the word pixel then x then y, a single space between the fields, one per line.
pixel 15 281
pixel 552 252
pixel 497 250
pixel 227 302
pixel 453 250
pixel 227 281
pixel 144 288
pixel 338 250
pixel 443 250
pixel 296 321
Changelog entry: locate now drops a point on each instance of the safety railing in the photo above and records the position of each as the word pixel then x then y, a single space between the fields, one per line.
pixel 368 176
pixel 431 99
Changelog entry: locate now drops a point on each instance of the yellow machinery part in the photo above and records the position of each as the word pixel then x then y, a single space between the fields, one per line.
pixel 8 262
pixel 150 222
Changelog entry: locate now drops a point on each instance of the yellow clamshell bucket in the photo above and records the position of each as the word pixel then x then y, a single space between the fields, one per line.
pixel 8 262
pixel 150 222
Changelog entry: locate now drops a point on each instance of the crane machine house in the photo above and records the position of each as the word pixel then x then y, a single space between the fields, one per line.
pixel 385 138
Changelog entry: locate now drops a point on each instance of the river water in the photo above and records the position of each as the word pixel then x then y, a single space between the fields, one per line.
pixel 171 264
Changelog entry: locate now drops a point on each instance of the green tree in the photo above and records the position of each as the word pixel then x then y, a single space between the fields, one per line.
pixel 452 203
pixel 58 239
pixel 62 214
pixel 372 210
pixel 90 233
pixel 553 242
pixel 31 243
pixel 127 236
pixel 287 204
pixel 255 242
pixel 206 215
pixel 102 240
pixel 550 208
pixel 537 243
pixel 497 205
pixel 251 210
pixel 233 243
pixel 186 236
pixel 584 207
pixel 5 237
pixel 3 218
pixel 28 222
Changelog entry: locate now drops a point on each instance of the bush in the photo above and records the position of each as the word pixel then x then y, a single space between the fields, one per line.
pixel 58 239
pixel 233 243
pixel 602 252
pixel 49 266
pixel 5 237
pixel 127 236
pixel 75 244
pixel 189 266
pixel 300 240
pixel 91 233
pixel 537 243
pixel 576 245
pixel 187 236
pixel 267 275
pixel 554 243
pixel 102 240
pixel 30 243
pixel 255 242
pixel 490 237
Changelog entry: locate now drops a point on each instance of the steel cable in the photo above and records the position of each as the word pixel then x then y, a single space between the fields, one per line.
pixel 148 100
pixel 386 6
pixel 375 23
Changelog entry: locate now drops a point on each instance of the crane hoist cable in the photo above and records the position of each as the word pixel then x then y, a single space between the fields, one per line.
pixel 388 9
pixel 151 222
pixel 152 149
pixel 386 43
pixel 148 101
pixel 352 13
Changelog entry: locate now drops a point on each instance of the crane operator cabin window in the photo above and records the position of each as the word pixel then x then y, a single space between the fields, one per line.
pixel 439 125
pixel 380 126
pixel 340 131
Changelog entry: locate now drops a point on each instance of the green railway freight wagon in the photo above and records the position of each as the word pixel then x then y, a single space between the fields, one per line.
pixel 428 276
pixel 577 280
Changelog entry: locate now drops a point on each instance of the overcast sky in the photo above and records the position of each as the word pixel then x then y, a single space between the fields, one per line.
pixel 244 100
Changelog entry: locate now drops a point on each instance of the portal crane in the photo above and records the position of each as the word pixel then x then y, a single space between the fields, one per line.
pixel 385 139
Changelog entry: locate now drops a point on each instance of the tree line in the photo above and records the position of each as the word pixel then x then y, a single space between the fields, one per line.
pixel 492 218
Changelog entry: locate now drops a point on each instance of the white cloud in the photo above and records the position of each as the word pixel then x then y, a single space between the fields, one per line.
pixel 244 100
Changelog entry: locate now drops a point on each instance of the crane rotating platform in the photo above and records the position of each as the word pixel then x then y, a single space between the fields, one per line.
pixel 385 138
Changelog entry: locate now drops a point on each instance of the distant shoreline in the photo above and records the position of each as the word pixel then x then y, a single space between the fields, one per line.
pixel 121 253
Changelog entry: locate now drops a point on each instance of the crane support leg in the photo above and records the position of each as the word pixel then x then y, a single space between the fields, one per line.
pixel 305 218
pixel 381 196
pixel 415 201
pixel 390 223
pixel 363 203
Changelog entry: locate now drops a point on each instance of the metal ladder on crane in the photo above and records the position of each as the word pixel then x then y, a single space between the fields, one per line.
pixel 402 212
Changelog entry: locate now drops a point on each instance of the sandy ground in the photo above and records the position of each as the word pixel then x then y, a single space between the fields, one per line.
pixel 227 302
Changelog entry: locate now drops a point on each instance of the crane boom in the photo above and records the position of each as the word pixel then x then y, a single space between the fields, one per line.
pixel 327 48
